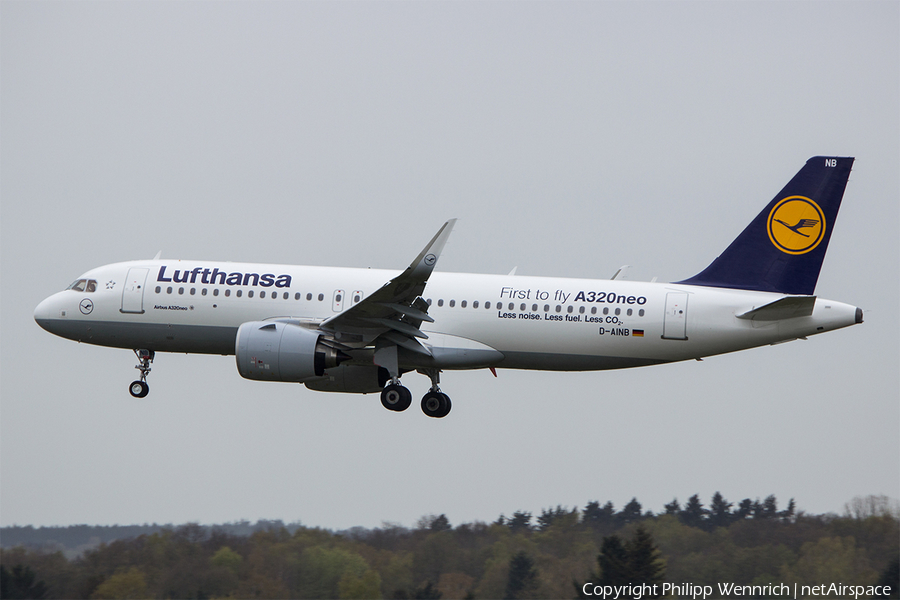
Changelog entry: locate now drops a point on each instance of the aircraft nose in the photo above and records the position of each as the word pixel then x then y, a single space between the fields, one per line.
pixel 47 312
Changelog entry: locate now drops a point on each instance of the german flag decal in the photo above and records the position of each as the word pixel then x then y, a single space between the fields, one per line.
pixel 637 332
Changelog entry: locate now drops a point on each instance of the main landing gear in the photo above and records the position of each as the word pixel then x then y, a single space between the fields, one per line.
pixel 396 397
pixel 434 404
pixel 139 388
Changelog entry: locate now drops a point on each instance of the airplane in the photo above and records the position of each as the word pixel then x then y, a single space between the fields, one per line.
pixel 359 330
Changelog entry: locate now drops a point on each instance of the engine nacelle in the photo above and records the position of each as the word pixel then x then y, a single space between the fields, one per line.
pixel 353 379
pixel 276 351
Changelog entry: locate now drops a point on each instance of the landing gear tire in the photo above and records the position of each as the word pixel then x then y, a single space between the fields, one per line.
pixel 139 389
pixel 436 404
pixel 396 397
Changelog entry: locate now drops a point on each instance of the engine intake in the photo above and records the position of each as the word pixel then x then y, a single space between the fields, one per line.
pixel 276 351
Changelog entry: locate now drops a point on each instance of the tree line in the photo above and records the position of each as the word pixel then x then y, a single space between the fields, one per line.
pixel 551 555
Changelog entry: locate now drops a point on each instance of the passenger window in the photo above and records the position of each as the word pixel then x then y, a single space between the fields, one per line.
pixel 238 293
pixel 522 306
pixel 628 312
pixel 475 304
pixel 262 294
pixel 203 292
pixel 593 310
pixel 534 308
pixel 641 313
pixel 546 308
pixel 91 285
pixel 321 297
pixel 169 290
pixel 158 289
pixel 570 308
pixel 193 291
pixel 605 310
pixel 428 302
pixel 452 303
pixel 249 294
pixel 181 291
pixel 558 308
pixel 487 304
pixel 216 292
pixel 463 304
pixel 581 310
pixel 441 302
pixel 227 293
pixel 297 296
pixel 618 311
pixel 512 306
pixel 309 296
pixel 286 296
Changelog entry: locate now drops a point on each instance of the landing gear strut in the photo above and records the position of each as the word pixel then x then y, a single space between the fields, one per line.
pixel 139 388
pixel 435 403
pixel 398 398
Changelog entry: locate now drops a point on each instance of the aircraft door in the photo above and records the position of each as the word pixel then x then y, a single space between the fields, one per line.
pixel 675 323
pixel 133 292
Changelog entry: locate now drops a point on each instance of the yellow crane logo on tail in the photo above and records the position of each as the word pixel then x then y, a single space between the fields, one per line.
pixel 796 225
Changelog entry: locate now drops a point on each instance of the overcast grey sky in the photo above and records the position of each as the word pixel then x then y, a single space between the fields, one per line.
pixel 568 138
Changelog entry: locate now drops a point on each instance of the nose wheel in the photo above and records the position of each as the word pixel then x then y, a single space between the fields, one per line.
pixel 139 388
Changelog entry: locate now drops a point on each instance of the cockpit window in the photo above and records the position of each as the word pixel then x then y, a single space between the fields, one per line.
pixel 84 285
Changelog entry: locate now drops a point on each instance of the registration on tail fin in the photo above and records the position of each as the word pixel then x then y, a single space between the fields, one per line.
pixel 783 247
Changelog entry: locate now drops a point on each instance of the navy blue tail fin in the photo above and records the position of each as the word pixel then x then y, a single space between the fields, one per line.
pixel 783 247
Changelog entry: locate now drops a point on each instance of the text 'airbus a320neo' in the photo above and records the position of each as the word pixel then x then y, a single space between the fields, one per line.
pixel 359 330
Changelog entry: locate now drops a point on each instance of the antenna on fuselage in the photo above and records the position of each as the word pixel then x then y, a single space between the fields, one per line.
pixel 158 254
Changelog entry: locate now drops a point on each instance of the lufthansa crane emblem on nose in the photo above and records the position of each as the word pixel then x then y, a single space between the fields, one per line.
pixel 430 259
pixel 86 306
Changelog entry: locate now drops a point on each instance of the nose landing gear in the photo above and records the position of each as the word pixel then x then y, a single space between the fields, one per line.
pixel 139 388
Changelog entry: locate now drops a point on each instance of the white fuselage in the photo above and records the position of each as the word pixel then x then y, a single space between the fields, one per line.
pixel 532 322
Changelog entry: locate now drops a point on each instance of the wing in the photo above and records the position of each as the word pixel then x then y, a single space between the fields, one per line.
pixel 392 314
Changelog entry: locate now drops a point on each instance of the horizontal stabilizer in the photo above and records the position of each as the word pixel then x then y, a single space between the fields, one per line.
pixel 785 308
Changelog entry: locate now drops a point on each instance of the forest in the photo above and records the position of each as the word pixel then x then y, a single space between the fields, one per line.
pixel 549 555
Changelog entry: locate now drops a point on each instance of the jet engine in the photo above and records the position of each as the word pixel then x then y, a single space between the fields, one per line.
pixel 276 351
pixel 353 379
